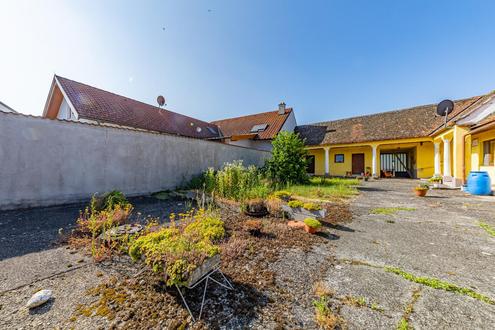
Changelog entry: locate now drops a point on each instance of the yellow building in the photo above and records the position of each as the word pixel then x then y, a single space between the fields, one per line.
pixel 410 143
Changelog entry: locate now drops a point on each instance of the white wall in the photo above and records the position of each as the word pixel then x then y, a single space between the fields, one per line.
pixel 48 162
pixel 254 144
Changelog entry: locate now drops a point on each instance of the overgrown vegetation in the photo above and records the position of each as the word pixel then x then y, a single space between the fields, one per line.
pixel 178 250
pixel 441 285
pixel 487 228
pixel 391 210
pixel 104 213
pixel 234 181
pixel 288 162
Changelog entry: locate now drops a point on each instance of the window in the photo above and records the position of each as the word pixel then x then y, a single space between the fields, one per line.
pixel 259 128
pixel 488 153
pixel 339 158
pixel 310 164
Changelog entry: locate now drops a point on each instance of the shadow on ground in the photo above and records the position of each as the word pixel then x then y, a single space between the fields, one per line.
pixel 37 229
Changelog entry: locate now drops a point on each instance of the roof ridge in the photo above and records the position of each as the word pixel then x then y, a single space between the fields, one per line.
pixel 288 110
pixel 389 111
pixel 119 95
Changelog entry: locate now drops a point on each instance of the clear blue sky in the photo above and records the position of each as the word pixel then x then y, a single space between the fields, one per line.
pixel 216 59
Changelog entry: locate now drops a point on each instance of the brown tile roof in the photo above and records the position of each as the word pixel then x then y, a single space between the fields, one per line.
pixel 102 106
pixel 243 125
pixel 414 122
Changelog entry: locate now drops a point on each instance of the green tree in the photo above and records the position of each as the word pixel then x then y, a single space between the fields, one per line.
pixel 288 162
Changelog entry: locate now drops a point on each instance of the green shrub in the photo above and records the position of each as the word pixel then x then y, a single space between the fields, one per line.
pixel 312 206
pixel 312 223
pixel 295 204
pixel 288 162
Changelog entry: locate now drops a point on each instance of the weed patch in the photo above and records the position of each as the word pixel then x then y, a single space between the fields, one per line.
pixel 391 210
pixel 404 321
pixel 440 285
pixel 487 228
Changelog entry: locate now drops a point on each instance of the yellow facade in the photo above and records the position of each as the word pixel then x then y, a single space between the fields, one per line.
pixel 476 151
pixel 421 150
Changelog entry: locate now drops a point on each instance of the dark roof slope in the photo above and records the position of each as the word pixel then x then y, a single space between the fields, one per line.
pixel 414 122
pixel 99 105
pixel 244 124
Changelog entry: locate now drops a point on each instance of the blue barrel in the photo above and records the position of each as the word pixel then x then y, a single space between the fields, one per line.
pixel 479 183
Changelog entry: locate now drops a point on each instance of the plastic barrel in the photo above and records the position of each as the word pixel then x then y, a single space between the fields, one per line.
pixel 479 183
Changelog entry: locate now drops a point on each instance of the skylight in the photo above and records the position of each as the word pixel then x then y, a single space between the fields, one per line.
pixel 259 128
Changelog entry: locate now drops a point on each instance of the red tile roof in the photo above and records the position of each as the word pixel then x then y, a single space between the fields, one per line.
pixel 102 106
pixel 243 125
pixel 414 122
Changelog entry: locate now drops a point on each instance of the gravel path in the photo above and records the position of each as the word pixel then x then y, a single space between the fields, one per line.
pixel 439 238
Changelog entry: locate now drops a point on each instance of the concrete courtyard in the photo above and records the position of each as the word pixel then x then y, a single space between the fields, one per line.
pixel 437 237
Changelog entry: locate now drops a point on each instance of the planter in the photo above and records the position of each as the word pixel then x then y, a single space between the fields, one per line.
pixel 309 229
pixel 299 213
pixel 207 266
pixel 420 192
pixel 436 185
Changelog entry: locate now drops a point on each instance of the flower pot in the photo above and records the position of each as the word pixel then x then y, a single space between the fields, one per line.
pixel 420 192
pixel 309 229
pixel 436 185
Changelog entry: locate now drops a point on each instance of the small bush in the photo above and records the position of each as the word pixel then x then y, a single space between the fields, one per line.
pixel 312 223
pixel 295 204
pixel 312 206
pixel 288 162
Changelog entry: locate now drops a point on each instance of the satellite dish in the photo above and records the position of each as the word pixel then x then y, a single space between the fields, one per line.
pixel 444 108
pixel 161 100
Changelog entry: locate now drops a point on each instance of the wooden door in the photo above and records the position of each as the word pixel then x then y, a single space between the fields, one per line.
pixel 357 164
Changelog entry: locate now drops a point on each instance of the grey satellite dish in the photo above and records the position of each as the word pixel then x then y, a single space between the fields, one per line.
pixel 444 108
pixel 161 101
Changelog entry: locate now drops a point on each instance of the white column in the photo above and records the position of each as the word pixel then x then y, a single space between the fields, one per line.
pixel 446 158
pixel 327 160
pixel 373 162
pixel 437 158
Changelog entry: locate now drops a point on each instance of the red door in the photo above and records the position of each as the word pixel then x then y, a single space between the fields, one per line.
pixel 357 164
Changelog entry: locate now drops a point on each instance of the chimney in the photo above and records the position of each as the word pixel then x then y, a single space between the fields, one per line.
pixel 281 108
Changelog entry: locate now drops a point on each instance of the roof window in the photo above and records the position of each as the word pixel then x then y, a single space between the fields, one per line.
pixel 259 128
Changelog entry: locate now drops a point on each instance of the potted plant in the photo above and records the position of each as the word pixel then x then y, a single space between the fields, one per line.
pixel 255 208
pixel 367 174
pixel 421 189
pixel 436 180
pixel 311 225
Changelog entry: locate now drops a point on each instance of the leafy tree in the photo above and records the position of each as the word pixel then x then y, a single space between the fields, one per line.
pixel 288 162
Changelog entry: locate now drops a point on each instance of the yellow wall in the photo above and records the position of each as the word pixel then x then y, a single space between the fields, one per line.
pixel 340 169
pixel 319 160
pixel 423 158
pixel 476 153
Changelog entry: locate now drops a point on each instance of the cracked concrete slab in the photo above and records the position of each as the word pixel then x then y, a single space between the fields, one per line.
pixel 440 238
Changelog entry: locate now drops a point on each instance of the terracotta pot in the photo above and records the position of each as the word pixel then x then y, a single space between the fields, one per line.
pixel 309 229
pixel 420 192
